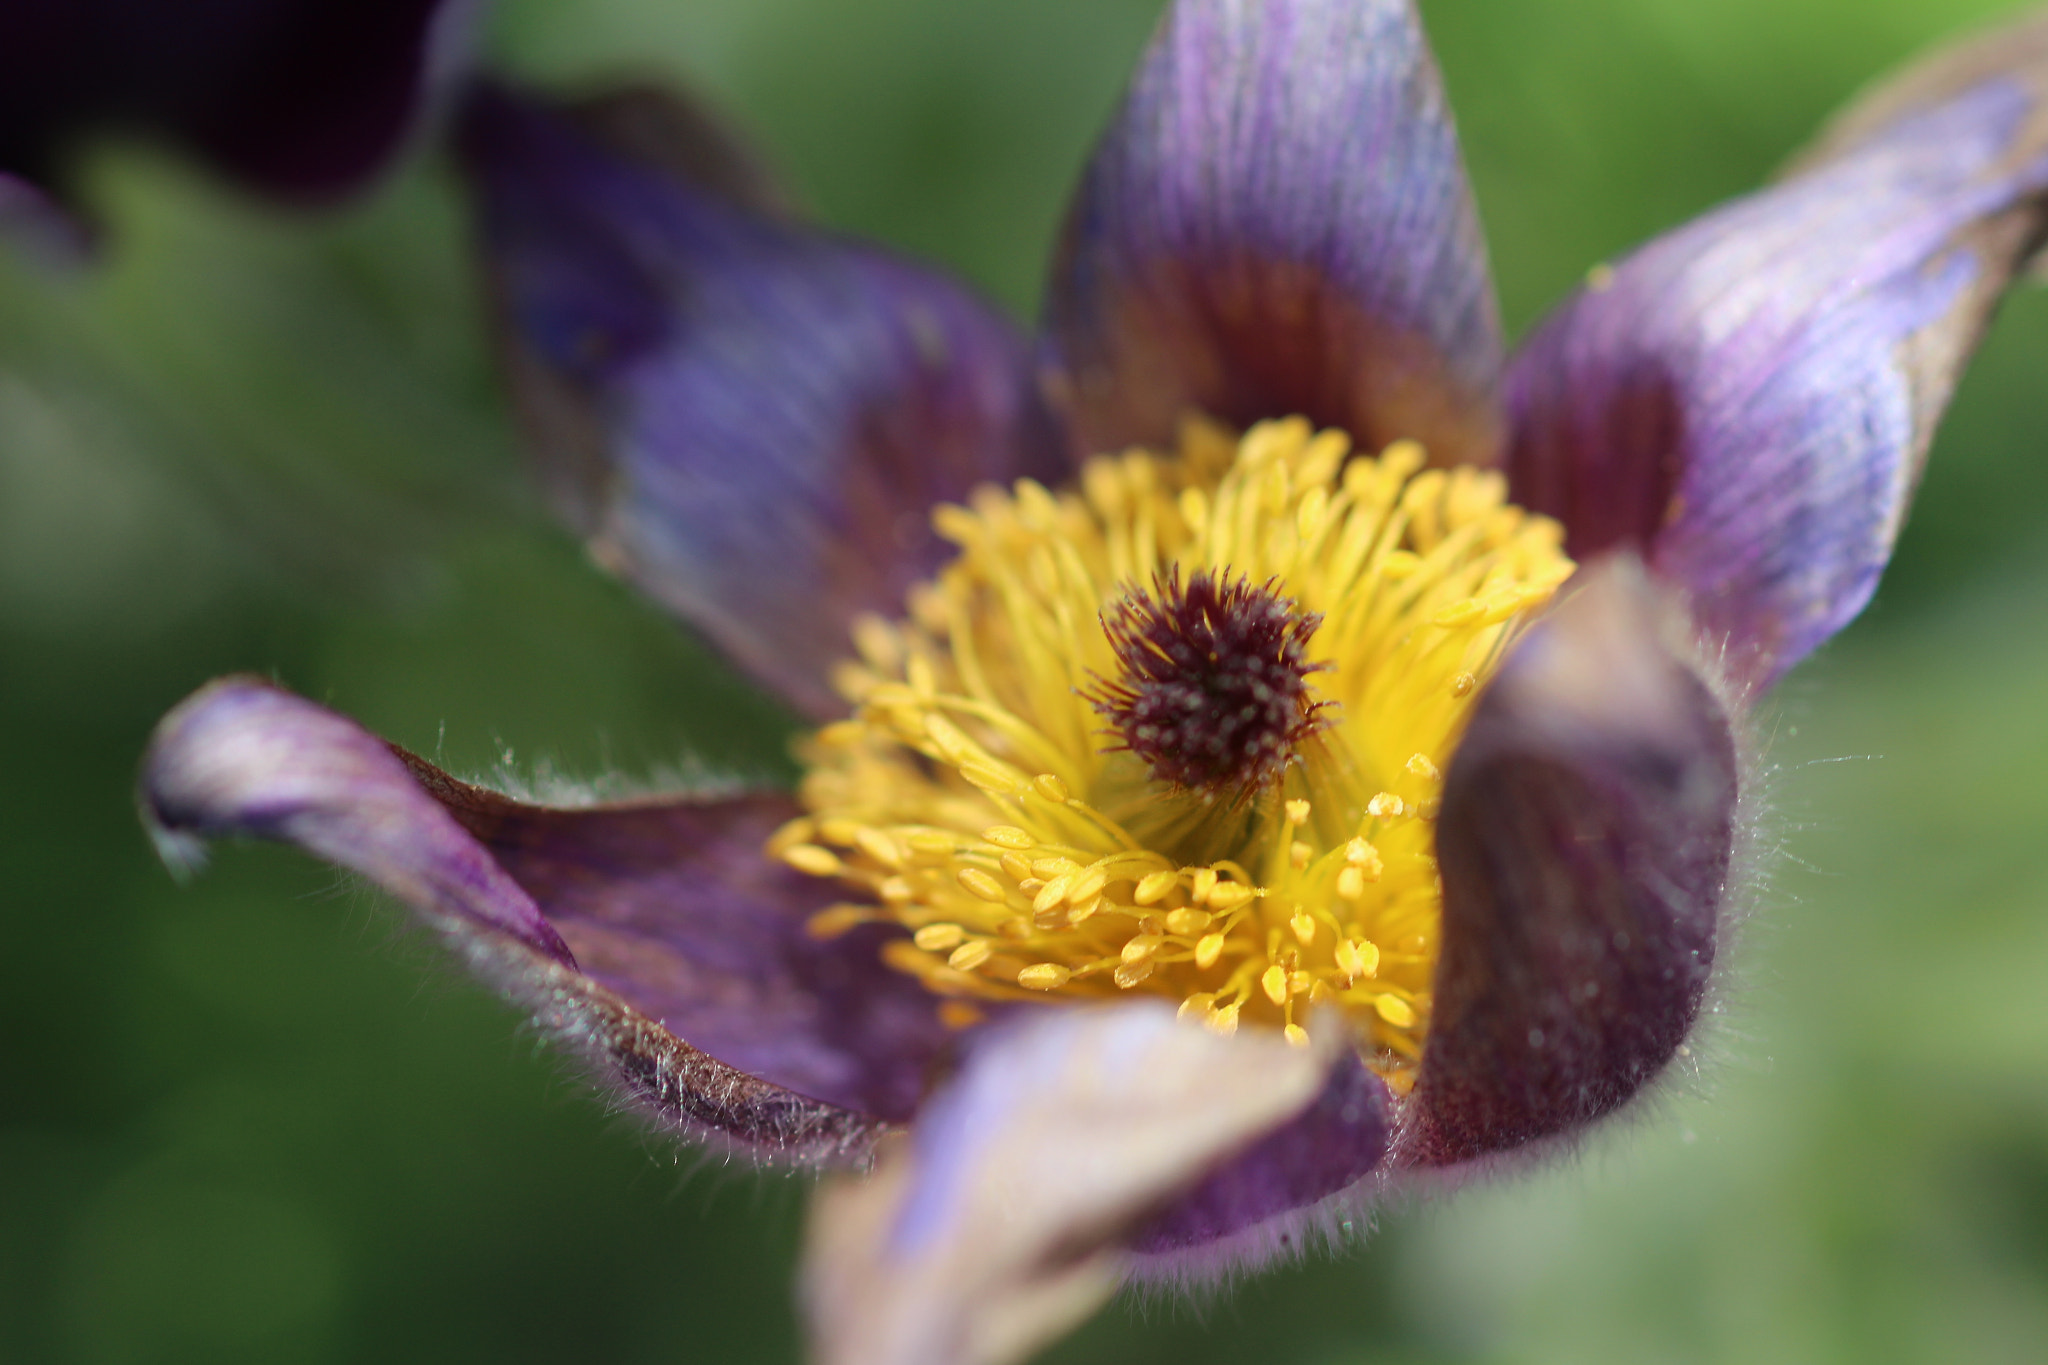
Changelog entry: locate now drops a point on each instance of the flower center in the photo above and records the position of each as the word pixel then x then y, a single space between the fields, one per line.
pixel 1219 787
pixel 1212 689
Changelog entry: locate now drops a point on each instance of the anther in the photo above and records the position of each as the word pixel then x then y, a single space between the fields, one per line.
pixel 1356 958
pixel 1395 1011
pixel 1230 895
pixel 1273 981
pixel 979 883
pixel 1153 886
pixel 1044 976
pixel 939 938
pixel 1139 948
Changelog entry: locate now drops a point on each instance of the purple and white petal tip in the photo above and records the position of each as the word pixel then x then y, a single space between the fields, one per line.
pixel 997 1225
pixel 242 757
pixel 1278 222
pixel 1747 401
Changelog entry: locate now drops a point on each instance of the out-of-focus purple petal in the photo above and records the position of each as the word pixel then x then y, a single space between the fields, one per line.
pixel 1332 1145
pixel 1748 400
pixel 996 1226
pixel 302 99
pixel 243 757
pixel 750 420
pixel 339 86
pixel 1278 222
pixel 31 220
pixel 671 903
pixel 1587 828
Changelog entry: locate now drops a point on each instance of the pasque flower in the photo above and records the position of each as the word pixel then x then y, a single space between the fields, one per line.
pixel 298 99
pixel 1270 744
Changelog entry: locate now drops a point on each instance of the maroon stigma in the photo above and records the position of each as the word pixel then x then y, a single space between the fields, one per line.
pixel 1213 689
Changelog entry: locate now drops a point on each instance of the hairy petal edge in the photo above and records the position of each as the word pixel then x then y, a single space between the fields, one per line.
pixel 242 757
pixel 1585 840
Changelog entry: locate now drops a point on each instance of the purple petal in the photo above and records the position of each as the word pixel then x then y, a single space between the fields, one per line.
pixel 243 757
pixel 1588 820
pixel 695 1095
pixel 1748 400
pixel 301 99
pixel 792 1045
pixel 1259 1199
pixel 752 421
pixel 1278 222
pixel 997 1226
pixel 672 904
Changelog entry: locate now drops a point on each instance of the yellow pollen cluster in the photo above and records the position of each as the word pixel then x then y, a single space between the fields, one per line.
pixel 975 799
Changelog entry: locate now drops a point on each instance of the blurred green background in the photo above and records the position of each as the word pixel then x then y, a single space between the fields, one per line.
pixel 248 1119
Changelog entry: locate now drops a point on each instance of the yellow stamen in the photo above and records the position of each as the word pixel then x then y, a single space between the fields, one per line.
pixel 1274 983
pixel 939 938
pixel 975 799
pixel 1044 976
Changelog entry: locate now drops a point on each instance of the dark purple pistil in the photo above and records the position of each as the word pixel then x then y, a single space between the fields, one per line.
pixel 1213 686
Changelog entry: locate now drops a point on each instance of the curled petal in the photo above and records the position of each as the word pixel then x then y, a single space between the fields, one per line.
pixel 1278 222
pixel 242 757
pixel 300 99
pixel 994 1227
pixel 1587 827
pixel 651 989
pixel 1748 400
pixel 750 420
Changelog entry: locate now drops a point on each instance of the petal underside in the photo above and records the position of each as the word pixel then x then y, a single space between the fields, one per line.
pixel 651 938
pixel 749 419
pixel 1278 222
pixel 996 1225
pixel 1748 401
pixel 1254 1207
pixel 1585 842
